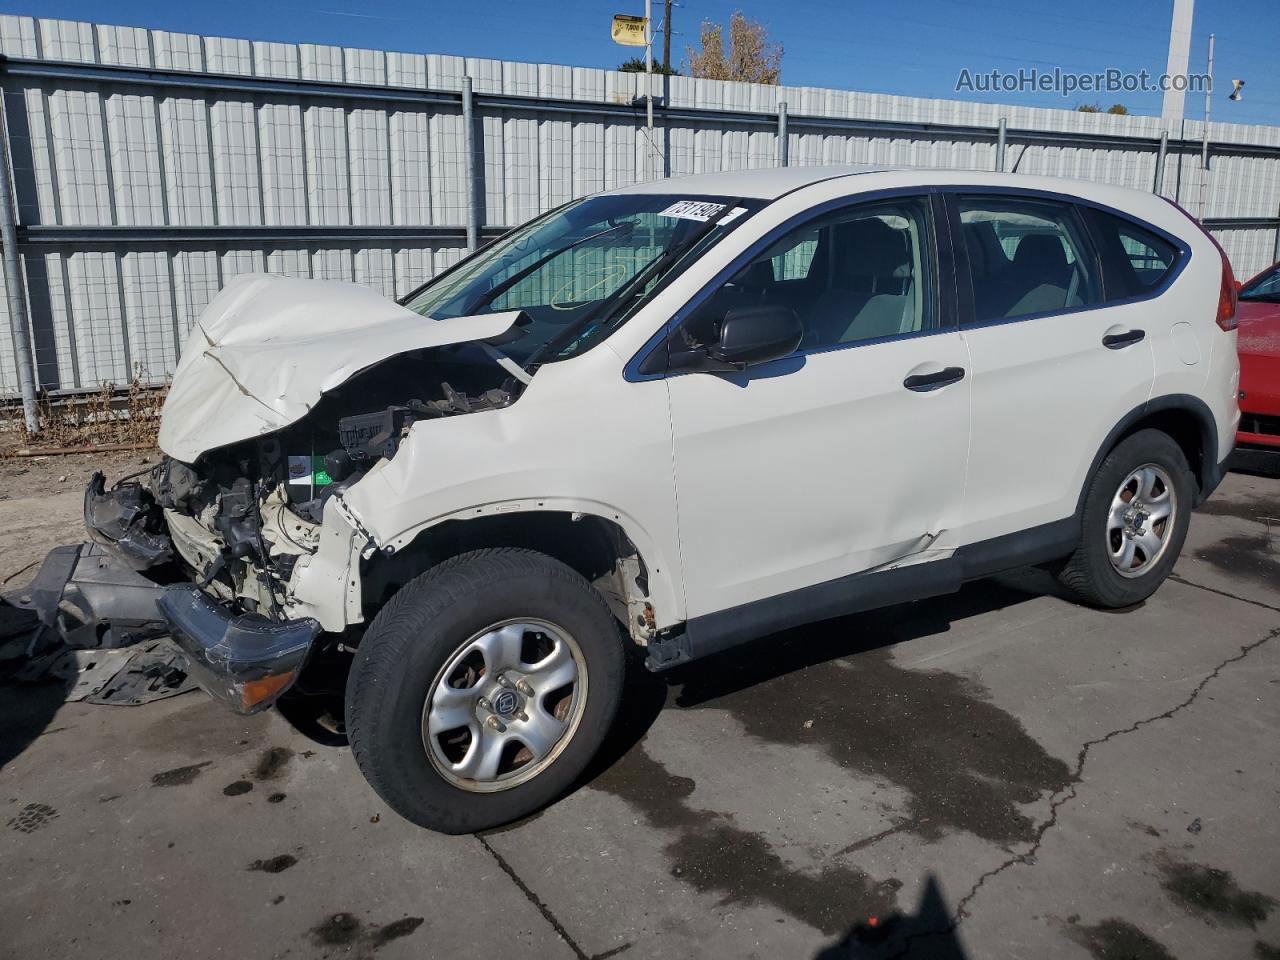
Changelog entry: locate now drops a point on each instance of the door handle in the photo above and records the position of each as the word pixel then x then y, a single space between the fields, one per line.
pixel 1118 341
pixel 924 382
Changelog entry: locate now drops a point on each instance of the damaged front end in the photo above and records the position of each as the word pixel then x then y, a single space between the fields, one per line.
pixel 237 544
pixel 131 583
pixel 271 553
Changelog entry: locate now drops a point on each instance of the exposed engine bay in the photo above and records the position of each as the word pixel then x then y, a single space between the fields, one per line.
pixel 242 515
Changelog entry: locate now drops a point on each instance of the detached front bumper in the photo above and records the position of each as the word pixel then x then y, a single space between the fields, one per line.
pixel 246 661
pixel 90 598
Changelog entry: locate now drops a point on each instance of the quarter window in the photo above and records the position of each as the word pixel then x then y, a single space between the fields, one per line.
pixel 863 273
pixel 1134 259
pixel 1026 257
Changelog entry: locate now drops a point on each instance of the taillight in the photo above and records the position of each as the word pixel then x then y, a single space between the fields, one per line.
pixel 1227 303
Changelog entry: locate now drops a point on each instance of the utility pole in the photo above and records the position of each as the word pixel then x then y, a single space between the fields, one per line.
pixel 666 39
pixel 1208 106
pixel 1204 145
pixel 648 84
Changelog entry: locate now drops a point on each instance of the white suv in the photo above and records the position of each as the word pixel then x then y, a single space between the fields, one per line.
pixel 678 416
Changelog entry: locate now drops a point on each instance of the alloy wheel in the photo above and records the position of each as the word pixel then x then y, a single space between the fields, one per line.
pixel 1141 520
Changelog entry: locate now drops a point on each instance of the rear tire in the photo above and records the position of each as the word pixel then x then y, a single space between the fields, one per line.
pixel 482 689
pixel 1134 522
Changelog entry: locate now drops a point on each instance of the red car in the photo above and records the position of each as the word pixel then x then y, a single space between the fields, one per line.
pixel 1259 340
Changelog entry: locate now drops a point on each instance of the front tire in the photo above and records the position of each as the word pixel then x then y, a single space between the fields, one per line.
pixel 482 689
pixel 1135 520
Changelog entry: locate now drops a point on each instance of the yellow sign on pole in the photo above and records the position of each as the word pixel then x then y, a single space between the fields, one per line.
pixel 628 31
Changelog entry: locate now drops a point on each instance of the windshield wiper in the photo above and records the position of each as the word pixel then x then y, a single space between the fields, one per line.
pixel 488 297
pixel 609 305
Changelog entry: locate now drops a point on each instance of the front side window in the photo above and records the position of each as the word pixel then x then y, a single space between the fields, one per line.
pixel 1026 257
pixel 1135 260
pixel 862 273
pixel 1266 288
pixel 578 272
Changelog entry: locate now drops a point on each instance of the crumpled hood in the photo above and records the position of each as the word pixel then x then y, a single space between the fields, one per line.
pixel 266 348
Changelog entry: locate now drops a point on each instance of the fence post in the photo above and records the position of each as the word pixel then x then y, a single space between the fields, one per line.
pixel 1158 186
pixel 14 281
pixel 469 149
pixel 784 148
pixel 1275 253
pixel 1000 144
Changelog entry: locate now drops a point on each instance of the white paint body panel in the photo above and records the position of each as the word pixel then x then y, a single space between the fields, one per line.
pixel 1046 393
pixel 824 470
pixel 266 349
pixel 580 438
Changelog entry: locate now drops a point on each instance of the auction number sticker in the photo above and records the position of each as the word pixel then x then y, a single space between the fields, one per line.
pixel 700 210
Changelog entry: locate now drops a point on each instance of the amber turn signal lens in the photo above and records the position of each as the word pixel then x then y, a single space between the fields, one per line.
pixel 255 691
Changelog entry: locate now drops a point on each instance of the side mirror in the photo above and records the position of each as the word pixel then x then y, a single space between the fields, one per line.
pixel 752 335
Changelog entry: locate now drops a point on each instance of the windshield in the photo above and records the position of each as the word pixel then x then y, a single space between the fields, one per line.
pixel 1266 288
pixel 581 270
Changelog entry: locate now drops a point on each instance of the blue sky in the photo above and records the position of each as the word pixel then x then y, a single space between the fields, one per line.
pixel 911 47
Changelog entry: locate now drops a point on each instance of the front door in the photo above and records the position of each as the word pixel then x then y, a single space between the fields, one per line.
pixel 848 455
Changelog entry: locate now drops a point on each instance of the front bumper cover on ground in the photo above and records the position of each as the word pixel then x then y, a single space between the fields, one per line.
pixel 83 589
pixel 244 661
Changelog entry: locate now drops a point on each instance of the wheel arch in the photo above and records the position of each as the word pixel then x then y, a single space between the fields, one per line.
pixel 615 558
pixel 1187 420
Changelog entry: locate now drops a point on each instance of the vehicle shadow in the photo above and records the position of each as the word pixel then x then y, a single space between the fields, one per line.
pixel 647 694
pixel 26 709
pixel 774 656
pixel 1255 462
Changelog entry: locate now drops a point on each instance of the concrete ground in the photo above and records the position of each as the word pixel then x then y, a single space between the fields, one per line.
pixel 998 774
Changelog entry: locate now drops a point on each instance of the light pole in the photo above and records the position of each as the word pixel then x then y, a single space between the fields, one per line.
pixel 1208 106
pixel 1204 143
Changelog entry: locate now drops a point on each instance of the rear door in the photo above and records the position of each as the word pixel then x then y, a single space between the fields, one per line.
pixel 1054 368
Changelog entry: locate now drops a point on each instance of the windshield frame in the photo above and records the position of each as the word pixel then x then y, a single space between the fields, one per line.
pixel 608 314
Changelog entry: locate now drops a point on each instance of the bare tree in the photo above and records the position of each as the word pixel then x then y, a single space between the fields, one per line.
pixel 751 56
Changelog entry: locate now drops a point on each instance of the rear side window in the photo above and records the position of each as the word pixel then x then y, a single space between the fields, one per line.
pixel 1026 257
pixel 1135 260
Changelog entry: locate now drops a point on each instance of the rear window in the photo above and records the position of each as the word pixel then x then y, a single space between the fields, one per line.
pixel 1135 260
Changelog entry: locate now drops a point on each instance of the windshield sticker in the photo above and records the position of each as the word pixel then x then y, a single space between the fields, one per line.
pixel 700 210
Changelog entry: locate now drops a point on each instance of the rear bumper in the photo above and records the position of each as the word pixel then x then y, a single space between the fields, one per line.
pixel 1246 439
pixel 1259 400
pixel 244 661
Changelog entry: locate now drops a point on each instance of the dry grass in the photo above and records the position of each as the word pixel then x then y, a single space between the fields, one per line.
pixel 110 417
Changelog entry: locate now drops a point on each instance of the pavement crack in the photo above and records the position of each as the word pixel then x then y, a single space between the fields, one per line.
pixel 1068 793
pixel 543 909
pixel 1222 593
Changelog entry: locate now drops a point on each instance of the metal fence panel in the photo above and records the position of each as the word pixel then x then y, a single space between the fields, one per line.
pixel 181 161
